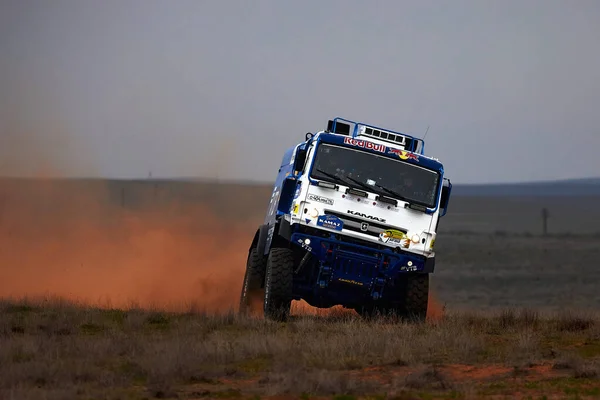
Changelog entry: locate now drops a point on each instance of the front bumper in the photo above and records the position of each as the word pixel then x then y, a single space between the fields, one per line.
pixel 343 252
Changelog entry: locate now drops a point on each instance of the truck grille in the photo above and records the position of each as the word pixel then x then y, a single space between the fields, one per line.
pixel 354 224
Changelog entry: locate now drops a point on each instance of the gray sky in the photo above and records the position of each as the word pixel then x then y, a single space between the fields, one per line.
pixel 511 89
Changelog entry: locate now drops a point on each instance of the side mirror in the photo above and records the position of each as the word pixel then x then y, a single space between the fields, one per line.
pixel 300 160
pixel 445 198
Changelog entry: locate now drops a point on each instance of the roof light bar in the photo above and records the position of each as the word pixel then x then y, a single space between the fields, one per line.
pixel 383 135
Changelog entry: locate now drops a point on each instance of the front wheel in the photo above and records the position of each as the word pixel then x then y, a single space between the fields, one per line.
pixel 253 280
pixel 279 284
pixel 416 297
pixel 409 302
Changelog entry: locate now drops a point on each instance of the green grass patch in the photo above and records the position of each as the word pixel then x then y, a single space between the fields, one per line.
pixel 19 309
pixel 158 321
pixel 115 316
pixel 589 349
pixel 255 365
pixel 133 371
pixel 92 329
pixel 226 394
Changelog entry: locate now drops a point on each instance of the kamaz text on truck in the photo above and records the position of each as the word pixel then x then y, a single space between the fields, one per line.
pixel 351 221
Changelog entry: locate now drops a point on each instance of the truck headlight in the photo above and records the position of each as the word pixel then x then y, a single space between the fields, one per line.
pixel 415 238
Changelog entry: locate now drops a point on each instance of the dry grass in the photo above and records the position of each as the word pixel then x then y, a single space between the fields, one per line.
pixel 63 351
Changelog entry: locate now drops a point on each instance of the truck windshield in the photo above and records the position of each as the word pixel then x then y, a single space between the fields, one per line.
pixel 364 170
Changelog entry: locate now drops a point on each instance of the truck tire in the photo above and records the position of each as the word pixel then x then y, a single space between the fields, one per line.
pixel 416 297
pixel 410 304
pixel 278 284
pixel 253 281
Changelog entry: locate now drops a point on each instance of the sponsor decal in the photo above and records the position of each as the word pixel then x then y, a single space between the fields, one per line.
pixel 359 214
pixel 320 199
pixel 393 236
pixel 350 281
pixel 270 233
pixel 304 245
pixel 273 202
pixel 409 267
pixel 404 155
pixel 330 221
pixel 365 144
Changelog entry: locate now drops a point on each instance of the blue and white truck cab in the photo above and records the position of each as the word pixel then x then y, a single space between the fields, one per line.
pixel 351 221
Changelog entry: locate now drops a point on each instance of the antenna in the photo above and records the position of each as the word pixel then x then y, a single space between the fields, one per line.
pixel 426 133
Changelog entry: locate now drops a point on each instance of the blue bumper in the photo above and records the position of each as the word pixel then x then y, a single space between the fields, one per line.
pixel 348 265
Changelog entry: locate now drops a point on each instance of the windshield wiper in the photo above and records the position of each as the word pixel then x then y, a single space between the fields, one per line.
pixel 332 176
pixel 393 193
pixel 363 185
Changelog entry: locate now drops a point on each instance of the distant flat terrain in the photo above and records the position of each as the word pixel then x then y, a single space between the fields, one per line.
pixel 562 188
pixel 568 215
pixel 488 271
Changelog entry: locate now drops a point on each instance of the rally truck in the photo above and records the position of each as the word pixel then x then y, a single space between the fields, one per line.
pixel 351 221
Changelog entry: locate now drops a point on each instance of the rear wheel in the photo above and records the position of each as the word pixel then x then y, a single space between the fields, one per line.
pixel 278 284
pixel 252 293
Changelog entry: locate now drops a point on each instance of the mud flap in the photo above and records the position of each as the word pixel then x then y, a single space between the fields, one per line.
pixel 264 242
pixel 429 265
pixel 285 229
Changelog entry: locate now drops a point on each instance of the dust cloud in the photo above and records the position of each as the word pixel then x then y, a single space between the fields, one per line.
pixel 79 240
pixel 67 239
pixel 435 310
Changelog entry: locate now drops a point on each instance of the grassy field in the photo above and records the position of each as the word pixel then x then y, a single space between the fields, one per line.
pixel 51 350
pixel 149 271
pixel 487 271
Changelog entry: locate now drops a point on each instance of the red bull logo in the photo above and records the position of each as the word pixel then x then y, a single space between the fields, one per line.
pixel 404 155
pixel 365 144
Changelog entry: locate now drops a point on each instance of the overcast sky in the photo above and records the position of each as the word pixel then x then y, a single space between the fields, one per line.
pixel 118 88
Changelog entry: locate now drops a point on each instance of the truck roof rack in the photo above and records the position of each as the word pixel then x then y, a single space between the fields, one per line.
pixel 342 126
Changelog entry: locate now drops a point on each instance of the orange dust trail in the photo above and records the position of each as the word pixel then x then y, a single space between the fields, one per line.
pixel 76 241
pixel 303 308
pixel 435 311
pixel 153 245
